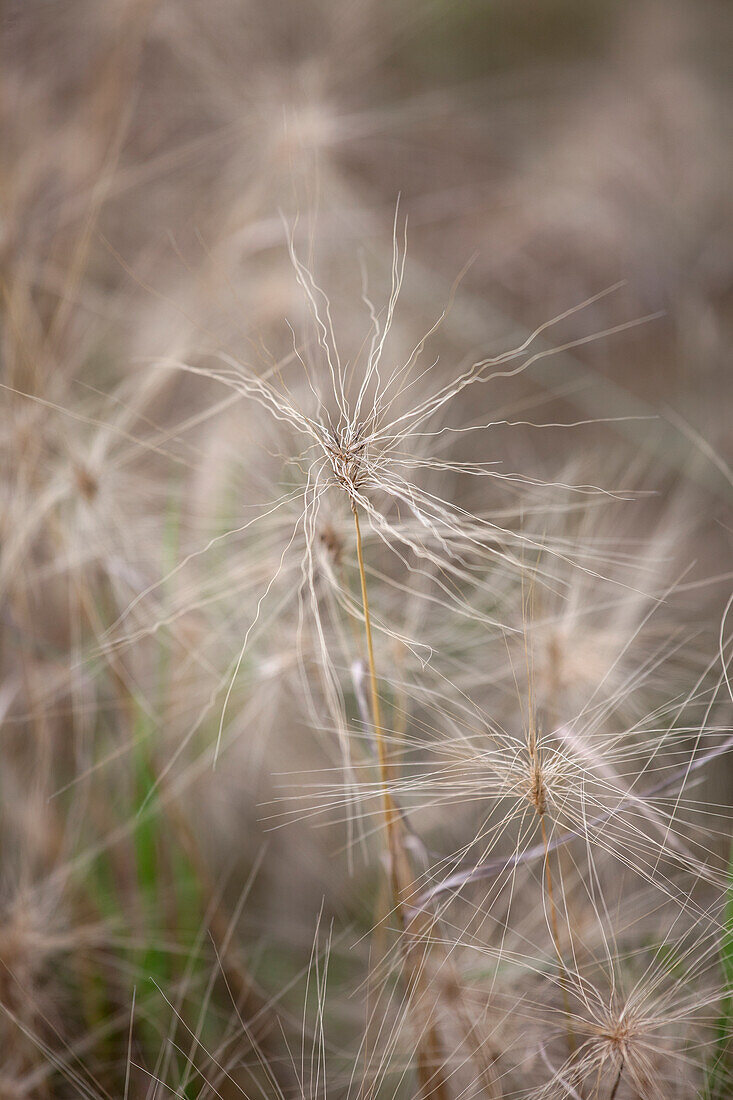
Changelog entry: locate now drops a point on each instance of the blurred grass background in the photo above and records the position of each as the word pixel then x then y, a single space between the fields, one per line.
pixel 149 147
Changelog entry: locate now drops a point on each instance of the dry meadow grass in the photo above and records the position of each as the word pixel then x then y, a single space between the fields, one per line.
pixel 365 550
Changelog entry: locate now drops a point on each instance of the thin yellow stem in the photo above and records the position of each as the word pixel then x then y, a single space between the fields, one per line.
pixel 390 819
pixel 429 1060
pixel 556 936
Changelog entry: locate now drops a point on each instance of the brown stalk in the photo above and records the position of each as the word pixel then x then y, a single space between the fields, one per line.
pixel 617 1082
pixel 556 939
pixel 538 797
pixel 429 1057
pixel 391 817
